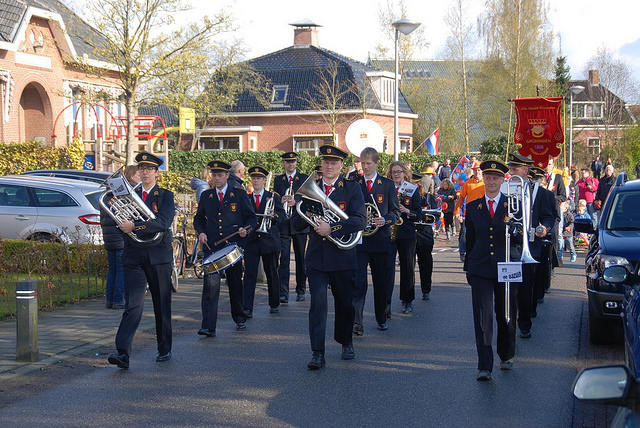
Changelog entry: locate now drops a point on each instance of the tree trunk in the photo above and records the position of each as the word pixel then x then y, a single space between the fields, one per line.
pixel 131 130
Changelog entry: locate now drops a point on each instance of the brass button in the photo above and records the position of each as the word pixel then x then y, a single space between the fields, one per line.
pixel 491 229
pixel 220 220
pixel 490 236
pixel 492 253
pixel 491 245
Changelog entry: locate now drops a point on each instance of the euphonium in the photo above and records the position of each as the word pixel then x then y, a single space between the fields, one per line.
pixel 372 212
pixel 267 217
pixel 331 212
pixel 125 204
pixel 430 216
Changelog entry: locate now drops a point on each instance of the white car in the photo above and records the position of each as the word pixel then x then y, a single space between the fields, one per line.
pixel 50 209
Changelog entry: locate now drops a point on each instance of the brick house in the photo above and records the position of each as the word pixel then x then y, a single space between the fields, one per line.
pixel 296 118
pixel 599 118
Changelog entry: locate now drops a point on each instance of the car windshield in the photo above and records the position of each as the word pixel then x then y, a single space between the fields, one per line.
pixel 625 212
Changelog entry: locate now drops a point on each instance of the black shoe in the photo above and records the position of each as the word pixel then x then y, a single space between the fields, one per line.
pixel 347 352
pixel 284 299
pixel 248 313
pixel 541 300
pixel 300 298
pixel 164 357
pixel 241 326
pixel 121 360
pixel 534 314
pixel 384 326
pixel 108 305
pixel 407 308
pixel 525 334
pixel 358 330
pixel 207 332
pixel 387 311
pixel 274 310
pixel 425 296
pixel 117 306
pixel 317 361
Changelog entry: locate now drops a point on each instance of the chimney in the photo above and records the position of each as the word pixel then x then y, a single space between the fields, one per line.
pixel 594 79
pixel 305 33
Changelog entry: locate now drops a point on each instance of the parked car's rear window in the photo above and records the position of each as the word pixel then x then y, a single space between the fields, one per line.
pixel 93 199
pixel 625 212
pixel 14 196
pixel 53 198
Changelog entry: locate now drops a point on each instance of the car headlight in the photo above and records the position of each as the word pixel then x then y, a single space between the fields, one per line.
pixel 606 261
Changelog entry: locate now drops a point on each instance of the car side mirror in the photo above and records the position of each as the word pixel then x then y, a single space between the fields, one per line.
pixel 606 385
pixel 584 226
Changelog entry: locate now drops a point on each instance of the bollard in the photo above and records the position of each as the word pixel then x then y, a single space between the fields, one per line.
pixel 27 321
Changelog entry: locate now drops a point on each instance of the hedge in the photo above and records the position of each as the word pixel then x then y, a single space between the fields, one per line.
pixel 16 158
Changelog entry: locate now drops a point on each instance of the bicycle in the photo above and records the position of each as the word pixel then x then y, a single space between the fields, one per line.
pixel 181 244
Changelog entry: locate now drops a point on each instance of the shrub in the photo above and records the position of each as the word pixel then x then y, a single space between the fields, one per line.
pixel 16 158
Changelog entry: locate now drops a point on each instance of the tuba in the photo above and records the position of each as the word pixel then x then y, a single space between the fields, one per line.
pixel 372 212
pixel 331 213
pixel 125 204
pixel 430 216
pixel 267 217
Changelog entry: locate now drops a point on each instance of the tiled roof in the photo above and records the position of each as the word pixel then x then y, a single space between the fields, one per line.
pixel 168 114
pixel 11 12
pixel 600 93
pixel 427 69
pixel 300 67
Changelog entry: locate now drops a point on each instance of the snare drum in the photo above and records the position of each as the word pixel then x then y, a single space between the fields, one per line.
pixel 222 259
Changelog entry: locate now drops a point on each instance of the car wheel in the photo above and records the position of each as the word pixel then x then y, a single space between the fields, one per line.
pixel 42 237
pixel 602 331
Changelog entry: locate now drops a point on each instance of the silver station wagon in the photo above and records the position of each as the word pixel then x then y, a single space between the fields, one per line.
pixel 49 208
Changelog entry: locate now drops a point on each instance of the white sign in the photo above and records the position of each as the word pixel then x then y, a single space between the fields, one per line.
pixel 118 187
pixel 509 271
pixel 407 188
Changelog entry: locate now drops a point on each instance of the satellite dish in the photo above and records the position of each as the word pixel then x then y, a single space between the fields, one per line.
pixel 364 133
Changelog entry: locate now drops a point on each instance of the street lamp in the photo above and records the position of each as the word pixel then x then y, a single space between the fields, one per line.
pixel 404 26
pixel 574 90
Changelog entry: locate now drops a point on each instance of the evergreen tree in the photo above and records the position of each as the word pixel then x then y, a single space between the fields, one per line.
pixel 562 77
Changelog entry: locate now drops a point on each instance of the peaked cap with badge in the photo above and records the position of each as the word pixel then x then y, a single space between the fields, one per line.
pixel 516 159
pixel 289 156
pixel 494 167
pixel 144 158
pixel 219 166
pixel 258 171
pixel 329 152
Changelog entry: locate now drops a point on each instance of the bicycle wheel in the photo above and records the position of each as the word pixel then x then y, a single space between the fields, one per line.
pixel 178 254
pixel 198 270
pixel 174 279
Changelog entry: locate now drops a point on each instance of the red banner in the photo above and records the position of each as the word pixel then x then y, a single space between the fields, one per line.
pixel 539 131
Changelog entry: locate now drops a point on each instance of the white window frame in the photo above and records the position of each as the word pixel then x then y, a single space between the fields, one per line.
pixel 273 95
pixel 253 144
pixel 316 139
pixel 220 145
pixel 593 148
pixel 585 103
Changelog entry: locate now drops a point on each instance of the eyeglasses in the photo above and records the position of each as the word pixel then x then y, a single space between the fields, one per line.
pixel 146 168
pixel 397 171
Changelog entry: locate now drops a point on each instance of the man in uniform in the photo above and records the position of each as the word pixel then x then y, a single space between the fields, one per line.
pixel 375 249
pixel 222 211
pixel 265 245
pixel 485 223
pixel 290 179
pixel 541 221
pixel 147 263
pixel 327 264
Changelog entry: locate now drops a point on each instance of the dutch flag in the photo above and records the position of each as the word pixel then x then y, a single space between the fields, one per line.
pixel 431 143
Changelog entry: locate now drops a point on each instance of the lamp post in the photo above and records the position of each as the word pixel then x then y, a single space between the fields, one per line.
pixel 574 90
pixel 404 26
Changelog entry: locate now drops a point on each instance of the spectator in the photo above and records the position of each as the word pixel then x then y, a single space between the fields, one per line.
pixel 445 170
pixel 567 232
pixel 604 186
pixel 448 195
pixel 582 239
pixel 201 184
pixel 587 188
pixel 609 162
pixel 114 244
pixel 436 179
pixel 596 167
pixel 428 185
pixel 237 174
pixel 572 192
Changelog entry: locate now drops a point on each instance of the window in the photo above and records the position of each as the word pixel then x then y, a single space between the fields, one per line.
pixel 624 211
pixel 53 198
pixel 220 143
pixel 279 94
pixel 593 145
pixel 405 145
pixel 253 145
pixel 594 110
pixel 590 110
pixel 14 196
pixel 310 143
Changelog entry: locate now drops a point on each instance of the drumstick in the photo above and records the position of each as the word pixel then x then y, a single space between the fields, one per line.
pixel 247 228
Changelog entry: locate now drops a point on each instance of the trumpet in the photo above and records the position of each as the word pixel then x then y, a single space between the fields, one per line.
pixel 429 217
pixel 289 192
pixel 372 212
pixel 267 217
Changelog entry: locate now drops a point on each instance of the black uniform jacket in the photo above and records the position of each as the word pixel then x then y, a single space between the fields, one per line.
pixel 424 233
pixel 383 192
pixel 485 238
pixel 321 253
pixel 220 220
pixel 558 188
pixel 267 242
pixel 160 201
pixel 280 186
pixel 407 230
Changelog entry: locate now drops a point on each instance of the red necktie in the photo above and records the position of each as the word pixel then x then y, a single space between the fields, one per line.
pixel 144 196
pixel 220 196
pixel 491 212
pixel 290 179
pixel 369 184
pixel 257 201
pixel 397 189
pixel 327 188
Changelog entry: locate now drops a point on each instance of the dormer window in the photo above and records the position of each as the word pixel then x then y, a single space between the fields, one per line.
pixel 279 95
pixel 383 84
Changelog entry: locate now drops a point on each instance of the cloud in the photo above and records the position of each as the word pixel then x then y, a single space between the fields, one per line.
pixel 630 49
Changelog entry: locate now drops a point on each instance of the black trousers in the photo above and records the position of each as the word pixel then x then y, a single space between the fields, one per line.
pixel 342 286
pixel 299 245
pixel 424 248
pixel 270 264
pixel 407 256
pixel 525 296
pixel 211 295
pixel 487 295
pixel 542 280
pixel 379 275
pixel 136 278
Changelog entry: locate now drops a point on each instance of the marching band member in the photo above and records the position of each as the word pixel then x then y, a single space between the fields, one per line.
pixel 486 246
pixel 222 210
pixel 326 264
pixel 144 264
pixel 541 220
pixel 263 245
pixel 291 179
pixel 424 240
pixel 405 237
pixel 375 249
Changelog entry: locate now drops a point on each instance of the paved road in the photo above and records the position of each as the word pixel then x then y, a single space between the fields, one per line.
pixel 421 372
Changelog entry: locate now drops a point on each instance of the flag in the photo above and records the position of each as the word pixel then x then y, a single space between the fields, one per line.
pixel 431 143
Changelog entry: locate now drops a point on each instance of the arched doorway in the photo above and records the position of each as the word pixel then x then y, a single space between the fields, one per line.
pixel 35 109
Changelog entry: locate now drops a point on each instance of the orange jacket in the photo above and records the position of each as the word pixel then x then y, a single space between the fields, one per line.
pixel 471 190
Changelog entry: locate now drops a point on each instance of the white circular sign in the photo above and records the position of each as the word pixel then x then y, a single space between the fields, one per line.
pixel 364 133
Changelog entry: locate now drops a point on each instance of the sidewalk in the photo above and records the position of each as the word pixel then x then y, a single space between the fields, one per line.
pixel 77 328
